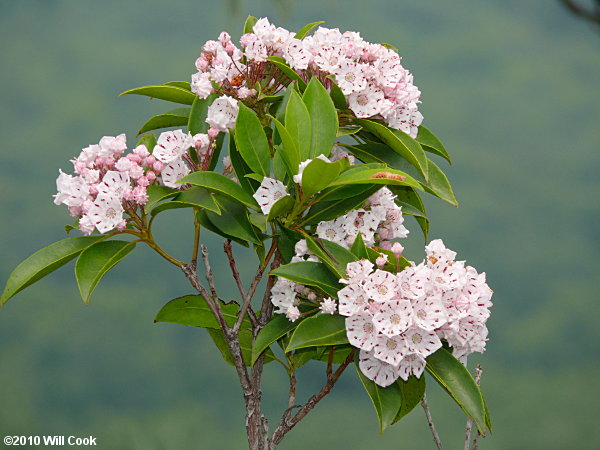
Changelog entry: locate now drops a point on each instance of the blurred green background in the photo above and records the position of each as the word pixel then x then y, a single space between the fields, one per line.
pixel 512 89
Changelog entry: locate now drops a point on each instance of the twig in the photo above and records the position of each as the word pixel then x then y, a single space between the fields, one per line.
pixel 436 436
pixel 287 423
pixel 209 273
pixel 468 430
pixel 196 240
pixel 478 373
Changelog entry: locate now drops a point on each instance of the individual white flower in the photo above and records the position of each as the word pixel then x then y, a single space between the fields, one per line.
pixel 112 145
pixel 328 306
pixel 363 222
pixel 382 373
pixel 86 225
pixel 173 172
pixel 106 213
pixel 88 155
pixel 353 300
pixel 172 145
pixel 365 103
pixel 72 191
pixel 332 230
pixel 429 312
pixel 360 330
pixel 267 194
pixel 351 77
pixel 422 341
pixel 381 286
pixel 411 364
pixel 393 318
pixel 114 184
pixel 357 271
pixel 296 56
pixel 201 84
pixel 414 281
pixel 283 294
pixel 302 166
pixel 292 313
pixel 223 112
pixel 390 349
pixel 437 250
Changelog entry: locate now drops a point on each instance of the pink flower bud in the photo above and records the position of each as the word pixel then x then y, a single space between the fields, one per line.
pixel 127 194
pixel 109 161
pixel 134 158
pixel 75 211
pixel 213 133
pixel 122 225
pixel 93 189
pixel 149 161
pixel 202 64
pixel 139 195
pixel 80 167
pixel 230 49
pixel 381 261
pixel 247 39
pixel 386 245
pixel 158 166
pixel 397 249
pixel 150 176
pixel 99 162
pixel 142 151
pixel 143 181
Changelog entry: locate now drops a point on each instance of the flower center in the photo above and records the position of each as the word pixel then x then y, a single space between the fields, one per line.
pixel 417 338
pixel 362 100
pixel 395 319
pixel 111 213
pixel 368 327
pixel 421 314
pixel 392 345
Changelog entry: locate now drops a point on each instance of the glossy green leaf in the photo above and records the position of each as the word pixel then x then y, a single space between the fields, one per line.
pixel 157 193
pixel 216 182
pixel 439 185
pixel 240 168
pixel 234 221
pixel 367 175
pixel 317 175
pixel 251 141
pixel 298 124
pixel 348 131
pixel 278 326
pixel 169 93
pixel 334 256
pixel 412 392
pixel 303 32
pixel 180 84
pixel 323 118
pixel 44 262
pixel 386 400
pixel 197 118
pixel 194 197
pixel 336 94
pixel 287 241
pixel 311 274
pixel 322 329
pixel 172 119
pixel 400 142
pixel 359 249
pixel 333 209
pixel 205 222
pixel 458 382
pixel 193 311
pixel 95 261
pixel 281 207
pixel 148 140
pixel 287 70
pixel 431 143
pixel 249 24
pixel 289 150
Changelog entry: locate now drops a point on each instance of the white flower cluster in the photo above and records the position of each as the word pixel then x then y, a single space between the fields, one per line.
pixel 380 219
pixel 108 184
pixel 370 75
pixel 397 320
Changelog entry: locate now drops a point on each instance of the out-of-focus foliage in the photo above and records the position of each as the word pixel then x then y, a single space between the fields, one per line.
pixel 511 89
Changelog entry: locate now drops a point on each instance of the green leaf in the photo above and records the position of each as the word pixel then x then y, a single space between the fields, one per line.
pixel 281 207
pixel 249 24
pixel 322 329
pixel 234 221
pixel 251 141
pixel 359 248
pixel 298 124
pixel 172 119
pixel 289 150
pixel 169 93
pixel 412 392
pixel 287 70
pixel 334 256
pixel 348 131
pixel 431 143
pixel 95 261
pixel 148 140
pixel 205 221
pixel 278 326
pixel 44 262
pixel 367 175
pixel 194 197
pixel 336 94
pixel 323 118
pixel 439 185
pixel 287 242
pixel 386 401
pixel 193 311
pixel 217 151
pixel 240 168
pixel 216 182
pixel 157 194
pixel 412 204
pixel 245 339
pixel 311 274
pixel 303 32
pixel 333 209
pixel 197 118
pixel 180 84
pixel 458 382
pixel 317 175
pixel 400 142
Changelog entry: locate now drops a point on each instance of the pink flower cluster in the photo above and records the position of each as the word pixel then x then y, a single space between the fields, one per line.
pixel 109 184
pixel 379 220
pixel 397 320
pixel 371 76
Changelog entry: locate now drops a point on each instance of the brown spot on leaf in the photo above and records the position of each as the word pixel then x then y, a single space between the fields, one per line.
pixel 389 175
